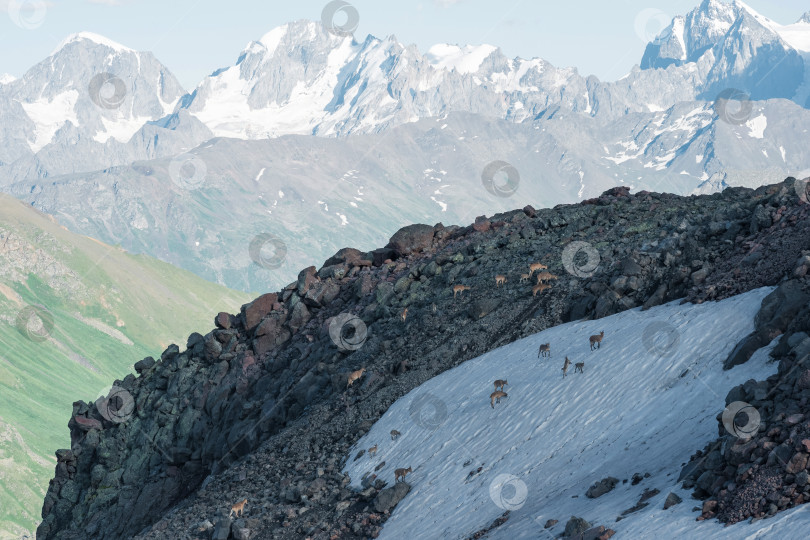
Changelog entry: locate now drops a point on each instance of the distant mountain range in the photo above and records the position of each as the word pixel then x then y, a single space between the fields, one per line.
pixel 109 105
pixel 373 134
pixel 319 194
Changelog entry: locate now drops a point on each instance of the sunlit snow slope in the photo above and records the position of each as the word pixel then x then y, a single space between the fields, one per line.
pixel 633 410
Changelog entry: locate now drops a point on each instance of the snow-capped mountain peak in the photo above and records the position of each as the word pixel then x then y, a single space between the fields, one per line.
pixel 302 78
pixel 466 59
pixel 804 18
pixel 5 78
pixel 94 38
pixel 91 95
pixel 730 45
pixel 795 35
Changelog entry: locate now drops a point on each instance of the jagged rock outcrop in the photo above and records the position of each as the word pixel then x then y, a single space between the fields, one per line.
pixel 259 406
pixel 758 465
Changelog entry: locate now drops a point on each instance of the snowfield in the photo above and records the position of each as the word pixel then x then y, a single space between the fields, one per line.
pixel 647 400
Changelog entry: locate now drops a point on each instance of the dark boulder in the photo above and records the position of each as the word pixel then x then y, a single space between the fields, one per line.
pixel 411 239
pixel 345 255
pixel 601 487
pixel 390 497
pixel 576 525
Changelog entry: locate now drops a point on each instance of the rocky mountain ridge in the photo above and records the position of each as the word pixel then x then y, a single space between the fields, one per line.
pixel 259 407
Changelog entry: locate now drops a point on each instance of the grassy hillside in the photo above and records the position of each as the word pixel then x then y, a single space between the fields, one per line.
pixel 98 310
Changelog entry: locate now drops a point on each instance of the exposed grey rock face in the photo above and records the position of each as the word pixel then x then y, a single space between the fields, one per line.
pixel 731 46
pixel 319 194
pixel 93 103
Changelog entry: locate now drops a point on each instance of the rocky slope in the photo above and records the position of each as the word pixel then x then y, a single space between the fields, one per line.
pixel 259 407
pixel 758 465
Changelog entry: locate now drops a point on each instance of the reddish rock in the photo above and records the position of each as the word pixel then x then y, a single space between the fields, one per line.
pixel 269 326
pixel 86 424
pixel 619 191
pixel 797 463
pixel 529 210
pixel 794 419
pixel 806 444
pixel 267 342
pixel 481 224
pixel 223 320
pixel 254 312
pixel 248 361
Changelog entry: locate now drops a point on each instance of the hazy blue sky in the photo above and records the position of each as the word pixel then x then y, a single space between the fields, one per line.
pixel 194 37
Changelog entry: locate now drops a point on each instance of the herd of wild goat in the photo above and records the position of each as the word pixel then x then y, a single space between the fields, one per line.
pixel 544 278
